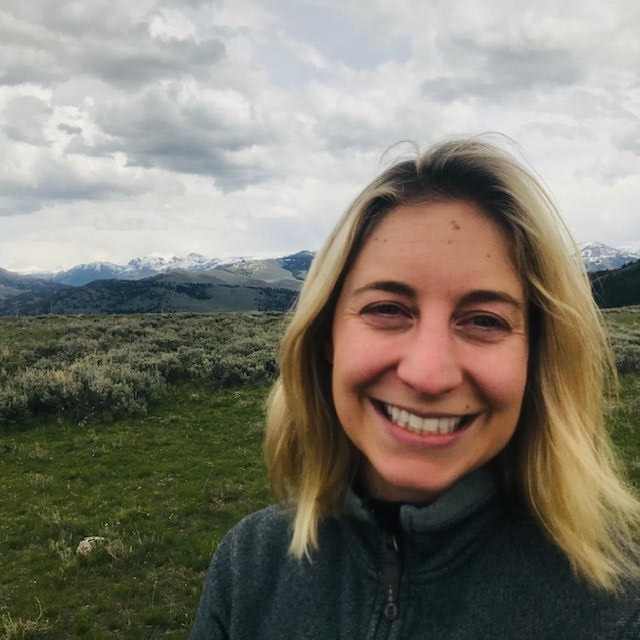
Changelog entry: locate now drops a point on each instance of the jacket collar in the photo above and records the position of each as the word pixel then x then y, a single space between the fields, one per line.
pixel 467 496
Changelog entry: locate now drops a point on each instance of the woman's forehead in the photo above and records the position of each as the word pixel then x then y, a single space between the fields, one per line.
pixel 445 241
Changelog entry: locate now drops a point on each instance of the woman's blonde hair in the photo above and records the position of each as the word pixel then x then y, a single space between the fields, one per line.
pixel 560 462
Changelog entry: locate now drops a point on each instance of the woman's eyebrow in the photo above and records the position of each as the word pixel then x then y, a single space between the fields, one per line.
pixel 480 295
pixel 390 286
pixel 489 295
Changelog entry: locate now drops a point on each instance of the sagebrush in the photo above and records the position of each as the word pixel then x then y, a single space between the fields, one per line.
pixel 115 366
pixel 624 334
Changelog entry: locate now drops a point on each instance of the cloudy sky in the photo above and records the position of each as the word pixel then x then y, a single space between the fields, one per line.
pixel 244 127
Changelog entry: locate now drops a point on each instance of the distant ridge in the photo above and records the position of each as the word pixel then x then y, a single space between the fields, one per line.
pixel 155 284
pixel 14 284
pixel 151 295
pixel 618 287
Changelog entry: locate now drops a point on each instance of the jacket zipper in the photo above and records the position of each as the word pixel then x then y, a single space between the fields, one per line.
pixel 392 584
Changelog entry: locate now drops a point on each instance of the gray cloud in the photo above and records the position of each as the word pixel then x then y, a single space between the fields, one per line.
pixel 500 72
pixel 509 69
pixel 21 65
pixel 159 129
pixel 54 181
pixel 13 206
pixel 24 120
pixel 66 128
pixel 136 62
pixel 96 39
pixel 53 188
pixel 344 132
pixel 629 139
pixel 127 66
pixel 569 132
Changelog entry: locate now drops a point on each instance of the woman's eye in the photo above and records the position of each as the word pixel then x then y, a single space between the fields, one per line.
pixel 485 325
pixel 385 311
pixel 487 322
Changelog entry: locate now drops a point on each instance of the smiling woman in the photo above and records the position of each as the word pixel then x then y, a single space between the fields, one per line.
pixel 429 348
pixel 436 435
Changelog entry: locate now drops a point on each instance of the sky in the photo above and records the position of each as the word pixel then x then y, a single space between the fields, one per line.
pixel 244 128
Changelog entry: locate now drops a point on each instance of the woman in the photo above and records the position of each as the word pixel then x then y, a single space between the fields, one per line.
pixel 436 435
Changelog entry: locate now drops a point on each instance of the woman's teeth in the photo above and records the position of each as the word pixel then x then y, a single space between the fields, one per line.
pixel 418 424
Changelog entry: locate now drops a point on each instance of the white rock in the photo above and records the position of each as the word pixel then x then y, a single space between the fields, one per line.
pixel 89 544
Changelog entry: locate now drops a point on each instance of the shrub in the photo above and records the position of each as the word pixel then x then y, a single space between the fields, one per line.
pixel 115 366
pixel 86 388
pixel 624 334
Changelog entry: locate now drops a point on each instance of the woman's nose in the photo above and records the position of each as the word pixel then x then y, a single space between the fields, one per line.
pixel 430 362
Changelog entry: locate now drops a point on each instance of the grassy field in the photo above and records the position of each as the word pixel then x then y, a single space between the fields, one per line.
pixel 162 488
pixel 623 420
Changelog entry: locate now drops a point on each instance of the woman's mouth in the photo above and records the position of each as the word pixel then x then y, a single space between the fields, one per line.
pixel 424 425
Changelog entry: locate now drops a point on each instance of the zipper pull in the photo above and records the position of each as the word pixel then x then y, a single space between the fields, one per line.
pixel 392 576
pixel 391 608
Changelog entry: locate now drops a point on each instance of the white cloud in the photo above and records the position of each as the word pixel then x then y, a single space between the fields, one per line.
pixel 246 127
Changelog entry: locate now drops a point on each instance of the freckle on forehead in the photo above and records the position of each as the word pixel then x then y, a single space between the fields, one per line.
pixel 455 226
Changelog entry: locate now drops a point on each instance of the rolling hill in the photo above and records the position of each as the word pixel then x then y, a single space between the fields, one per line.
pixel 152 295
pixel 618 287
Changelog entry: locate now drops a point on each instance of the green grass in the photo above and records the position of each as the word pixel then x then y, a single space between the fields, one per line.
pixel 623 420
pixel 163 490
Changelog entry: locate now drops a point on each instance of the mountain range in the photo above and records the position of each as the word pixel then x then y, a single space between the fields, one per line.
pixel 196 283
pixel 148 266
pixel 155 284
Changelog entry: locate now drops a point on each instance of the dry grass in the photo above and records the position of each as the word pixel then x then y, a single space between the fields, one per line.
pixel 24 629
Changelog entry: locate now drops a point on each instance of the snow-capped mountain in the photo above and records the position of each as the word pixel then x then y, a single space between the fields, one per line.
pixel 135 269
pixel 598 256
pixel 153 264
pixel 83 273
pixel 631 247
pixel 293 266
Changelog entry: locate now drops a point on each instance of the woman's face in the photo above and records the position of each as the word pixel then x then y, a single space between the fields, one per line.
pixel 429 349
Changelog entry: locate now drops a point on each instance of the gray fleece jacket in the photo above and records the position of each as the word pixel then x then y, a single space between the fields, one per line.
pixel 464 567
